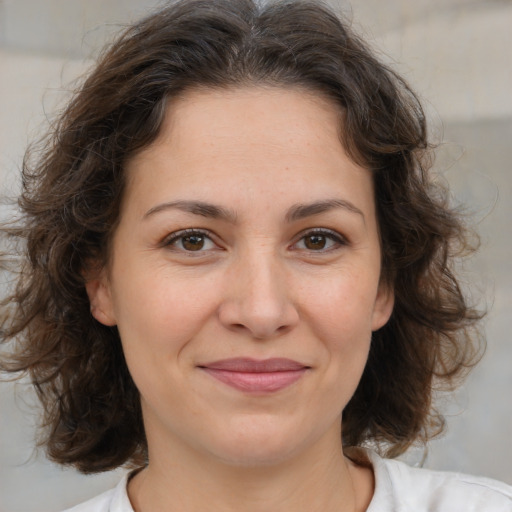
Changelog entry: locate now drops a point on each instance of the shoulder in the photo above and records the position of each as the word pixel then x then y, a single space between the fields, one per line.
pixel 114 500
pixel 400 488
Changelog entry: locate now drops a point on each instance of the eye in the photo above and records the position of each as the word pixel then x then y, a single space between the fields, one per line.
pixel 190 240
pixel 320 241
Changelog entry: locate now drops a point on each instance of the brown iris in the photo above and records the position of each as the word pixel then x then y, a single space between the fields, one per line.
pixel 315 242
pixel 193 242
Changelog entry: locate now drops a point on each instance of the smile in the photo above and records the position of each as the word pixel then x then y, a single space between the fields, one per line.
pixel 256 376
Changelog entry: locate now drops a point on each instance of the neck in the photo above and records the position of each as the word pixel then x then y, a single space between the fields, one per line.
pixel 319 480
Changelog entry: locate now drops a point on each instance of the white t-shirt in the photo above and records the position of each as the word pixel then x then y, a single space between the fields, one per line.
pixel 398 488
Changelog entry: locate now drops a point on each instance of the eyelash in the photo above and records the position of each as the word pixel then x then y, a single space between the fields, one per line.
pixel 335 237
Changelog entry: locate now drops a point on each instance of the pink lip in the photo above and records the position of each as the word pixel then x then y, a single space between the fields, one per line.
pixel 256 376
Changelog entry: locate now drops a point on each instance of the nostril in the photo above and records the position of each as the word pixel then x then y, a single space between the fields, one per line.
pixel 262 318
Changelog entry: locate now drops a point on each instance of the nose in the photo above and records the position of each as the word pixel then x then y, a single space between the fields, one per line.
pixel 258 298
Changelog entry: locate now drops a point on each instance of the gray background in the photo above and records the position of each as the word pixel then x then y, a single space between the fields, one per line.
pixel 457 53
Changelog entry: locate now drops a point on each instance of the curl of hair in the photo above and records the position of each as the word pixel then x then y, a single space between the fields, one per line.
pixel 71 201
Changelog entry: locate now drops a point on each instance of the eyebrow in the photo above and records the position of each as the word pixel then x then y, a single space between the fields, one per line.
pixel 296 212
pixel 196 208
pixel 301 211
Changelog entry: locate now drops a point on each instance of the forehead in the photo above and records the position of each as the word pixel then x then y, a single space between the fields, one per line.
pixel 254 137
pixel 258 110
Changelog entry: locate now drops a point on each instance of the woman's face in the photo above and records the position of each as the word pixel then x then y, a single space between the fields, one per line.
pixel 244 277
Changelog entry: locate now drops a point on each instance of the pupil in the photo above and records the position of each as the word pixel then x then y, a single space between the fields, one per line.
pixel 193 242
pixel 315 242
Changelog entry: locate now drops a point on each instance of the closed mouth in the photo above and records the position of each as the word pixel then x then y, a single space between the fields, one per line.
pixel 256 376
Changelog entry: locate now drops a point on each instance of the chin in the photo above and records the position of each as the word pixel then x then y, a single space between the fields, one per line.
pixel 260 446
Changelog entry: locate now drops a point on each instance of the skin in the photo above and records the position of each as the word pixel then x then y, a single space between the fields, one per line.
pixel 268 279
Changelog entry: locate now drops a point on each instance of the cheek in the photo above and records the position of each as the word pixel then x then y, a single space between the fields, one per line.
pixel 340 315
pixel 158 313
pixel 342 305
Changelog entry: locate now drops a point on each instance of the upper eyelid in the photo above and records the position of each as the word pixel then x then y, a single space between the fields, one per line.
pixel 189 231
pixel 321 231
pixel 176 235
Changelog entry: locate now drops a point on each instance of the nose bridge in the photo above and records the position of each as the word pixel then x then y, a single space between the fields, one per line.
pixel 259 299
pixel 265 280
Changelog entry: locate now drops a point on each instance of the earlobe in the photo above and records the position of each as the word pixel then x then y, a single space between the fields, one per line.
pixel 383 306
pixel 100 298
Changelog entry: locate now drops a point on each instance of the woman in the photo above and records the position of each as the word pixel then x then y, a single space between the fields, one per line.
pixel 237 272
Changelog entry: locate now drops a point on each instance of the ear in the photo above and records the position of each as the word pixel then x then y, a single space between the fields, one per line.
pixel 100 298
pixel 383 306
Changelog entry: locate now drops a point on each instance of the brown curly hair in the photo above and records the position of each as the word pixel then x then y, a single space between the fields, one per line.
pixel 73 186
